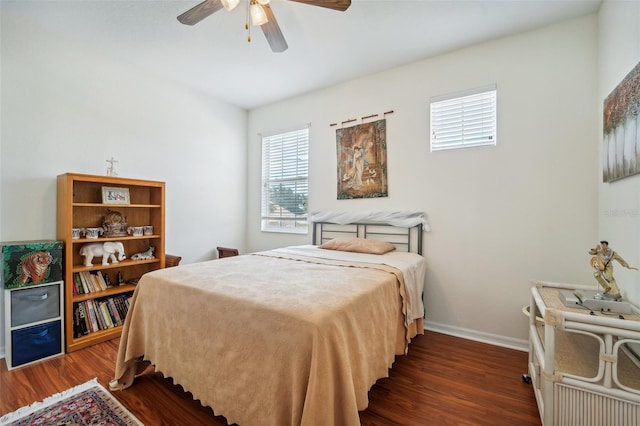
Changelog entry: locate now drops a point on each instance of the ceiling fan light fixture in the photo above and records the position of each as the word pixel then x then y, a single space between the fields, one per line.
pixel 258 15
pixel 229 4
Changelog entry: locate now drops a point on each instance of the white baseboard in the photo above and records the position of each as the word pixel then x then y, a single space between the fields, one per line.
pixel 479 336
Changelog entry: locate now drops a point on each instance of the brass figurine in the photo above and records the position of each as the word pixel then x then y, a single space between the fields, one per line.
pixel 601 262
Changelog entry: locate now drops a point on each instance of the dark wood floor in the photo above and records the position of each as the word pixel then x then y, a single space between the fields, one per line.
pixel 443 380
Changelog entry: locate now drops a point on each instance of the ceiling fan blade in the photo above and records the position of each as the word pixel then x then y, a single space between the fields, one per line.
pixel 340 5
pixel 200 11
pixel 272 32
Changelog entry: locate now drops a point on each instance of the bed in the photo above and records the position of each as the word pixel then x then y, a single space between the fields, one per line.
pixel 292 336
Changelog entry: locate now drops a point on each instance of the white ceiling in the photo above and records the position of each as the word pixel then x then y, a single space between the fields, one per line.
pixel 325 46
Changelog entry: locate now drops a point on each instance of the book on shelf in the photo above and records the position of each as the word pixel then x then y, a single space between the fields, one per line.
pixel 106 316
pixel 81 283
pixel 93 319
pixel 85 282
pixel 86 289
pixel 76 323
pixel 90 319
pixel 99 314
pixel 103 282
pixel 98 280
pixel 104 324
pixel 77 284
pixel 77 330
pixel 87 279
pixel 121 309
pixel 114 319
pixel 111 304
pixel 121 306
pixel 84 321
pixel 87 316
pixel 89 282
pixel 84 317
pixel 92 281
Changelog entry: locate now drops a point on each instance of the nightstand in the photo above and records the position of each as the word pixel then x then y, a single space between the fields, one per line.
pixel 582 365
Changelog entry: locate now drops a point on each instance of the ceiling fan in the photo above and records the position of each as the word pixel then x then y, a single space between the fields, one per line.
pixel 261 15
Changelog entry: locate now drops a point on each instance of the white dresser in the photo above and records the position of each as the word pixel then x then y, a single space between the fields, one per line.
pixel 581 368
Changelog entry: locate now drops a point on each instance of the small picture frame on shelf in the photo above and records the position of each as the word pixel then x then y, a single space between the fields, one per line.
pixel 114 195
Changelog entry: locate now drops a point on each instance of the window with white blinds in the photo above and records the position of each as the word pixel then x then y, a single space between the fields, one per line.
pixel 464 120
pixel 285 181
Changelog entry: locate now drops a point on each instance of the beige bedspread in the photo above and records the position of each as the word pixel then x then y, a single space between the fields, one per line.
pixel 265 340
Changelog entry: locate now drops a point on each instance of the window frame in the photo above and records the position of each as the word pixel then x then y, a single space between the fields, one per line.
pixel 472 119
pixel 290 174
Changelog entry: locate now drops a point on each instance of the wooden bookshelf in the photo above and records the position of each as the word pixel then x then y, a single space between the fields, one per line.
pixel 80 205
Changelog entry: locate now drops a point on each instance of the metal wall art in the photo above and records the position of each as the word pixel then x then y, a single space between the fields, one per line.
pixel 621 128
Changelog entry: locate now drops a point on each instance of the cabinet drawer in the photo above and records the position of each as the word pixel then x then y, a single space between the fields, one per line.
pixel 34 304
pixel 37 342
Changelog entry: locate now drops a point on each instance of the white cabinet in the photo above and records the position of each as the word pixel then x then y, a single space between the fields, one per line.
pixel 582 365
pixel 35 328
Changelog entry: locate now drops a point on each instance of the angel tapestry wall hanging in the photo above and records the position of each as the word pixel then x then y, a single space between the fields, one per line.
pixel 362 161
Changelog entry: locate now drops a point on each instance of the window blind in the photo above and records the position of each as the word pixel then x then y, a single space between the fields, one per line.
pixel 285 181
pixel 464 120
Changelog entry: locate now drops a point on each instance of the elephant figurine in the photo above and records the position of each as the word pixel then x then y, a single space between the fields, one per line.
pixel 106 250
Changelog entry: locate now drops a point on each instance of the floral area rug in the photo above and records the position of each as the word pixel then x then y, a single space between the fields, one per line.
pixel 85 404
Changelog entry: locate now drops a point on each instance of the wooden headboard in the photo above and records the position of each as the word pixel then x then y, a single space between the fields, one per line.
pixel 405 239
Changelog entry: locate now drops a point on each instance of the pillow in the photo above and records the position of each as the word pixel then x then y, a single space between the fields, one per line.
pixel 359 245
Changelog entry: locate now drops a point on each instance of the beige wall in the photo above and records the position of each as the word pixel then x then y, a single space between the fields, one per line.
pixel 500 216
pixel 65 109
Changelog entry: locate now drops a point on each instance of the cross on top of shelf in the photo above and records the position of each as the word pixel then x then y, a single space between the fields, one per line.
pixel 111 170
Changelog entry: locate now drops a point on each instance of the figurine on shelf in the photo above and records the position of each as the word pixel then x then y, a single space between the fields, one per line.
pixel 106 250
pixel 111 170
pixel 145 255
pixel 601 262
pixel 114 224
